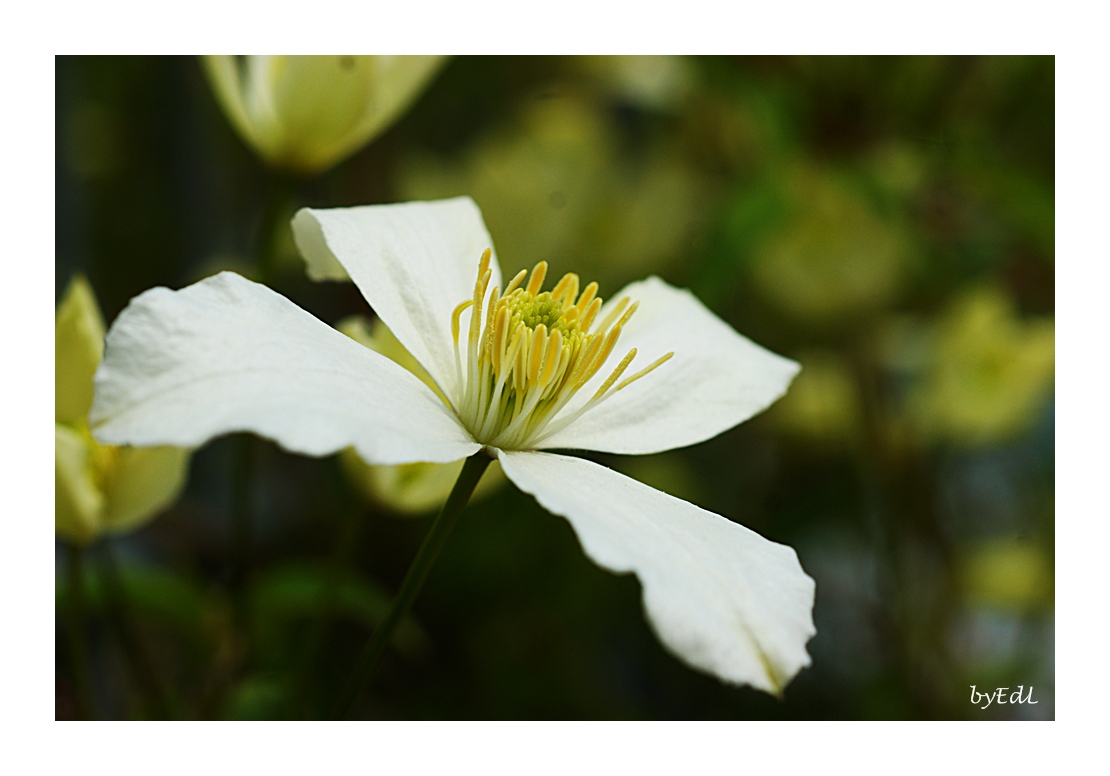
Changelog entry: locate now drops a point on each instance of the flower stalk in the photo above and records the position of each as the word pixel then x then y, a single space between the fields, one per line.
pixel 274 224
pixel 75 612
pixel 156 698
pixel 471 473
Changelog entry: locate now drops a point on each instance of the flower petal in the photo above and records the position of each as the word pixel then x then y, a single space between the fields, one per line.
pixel 398 81
pixel 716 379
pixel 226 354
pixel 227 84
pixel 414 262
pixel 144 481
pixel 77 501
pixel 78 344
pixel 414 488
pixel 719 596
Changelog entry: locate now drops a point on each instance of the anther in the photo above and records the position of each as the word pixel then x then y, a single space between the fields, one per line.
pixel 517 278
pixel 588 295
pixel 615 375
pixel 657 362
pixel 566 289
pixel 539 272
pixel 551 359
pixel 456 315
pixel 591 313
pixel 539 345
pixel 614 314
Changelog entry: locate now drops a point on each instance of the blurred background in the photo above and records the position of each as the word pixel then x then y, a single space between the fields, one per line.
pixel 887 222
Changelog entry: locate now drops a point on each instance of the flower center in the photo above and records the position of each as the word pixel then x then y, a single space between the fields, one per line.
pixel 529 352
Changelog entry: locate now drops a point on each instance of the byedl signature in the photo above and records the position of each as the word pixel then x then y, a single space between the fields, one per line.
pixel 998 695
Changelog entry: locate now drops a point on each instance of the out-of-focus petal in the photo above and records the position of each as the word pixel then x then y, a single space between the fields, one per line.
pixel 414 262
pixel 78 344
pixel 716 379
pixel 143 482
pixel 228 86
pixel 226 354
pixel 306 113
pixel 77 500
pixel 397 81
pixel 719 596
pixel 377 336
pixel 414 488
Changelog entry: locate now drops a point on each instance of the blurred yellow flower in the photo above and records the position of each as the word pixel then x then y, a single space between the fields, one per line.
pixel 408 488
pixel 1008 574
pixel 651 82
pixel 833 255
pixel 555 187
pixel 98 488
pixel 987 372
pixel 823 404
pixel 305 114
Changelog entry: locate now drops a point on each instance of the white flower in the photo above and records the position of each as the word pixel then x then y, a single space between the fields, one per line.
pixel 304 114
pixel 521 372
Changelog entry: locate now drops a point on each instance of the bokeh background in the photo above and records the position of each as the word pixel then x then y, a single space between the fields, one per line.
pixel 888 222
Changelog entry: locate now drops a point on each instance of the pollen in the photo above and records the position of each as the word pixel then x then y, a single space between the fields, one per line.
pixel 527 353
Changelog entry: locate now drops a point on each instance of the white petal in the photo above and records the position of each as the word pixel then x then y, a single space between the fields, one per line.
pixel 716 379
pixel 226 354
pixel 414 263
pixel 719 596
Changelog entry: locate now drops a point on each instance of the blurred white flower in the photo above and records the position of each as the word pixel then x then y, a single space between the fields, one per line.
pixel 305 114
pixel 98 488
pixel 517 371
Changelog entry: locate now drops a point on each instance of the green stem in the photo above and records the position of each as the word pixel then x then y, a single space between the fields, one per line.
pixel 156 700
pixel 471 472
pixel 271 229
pixel 267 240
pixel 75 612
pixel 329 599
pixel 241 528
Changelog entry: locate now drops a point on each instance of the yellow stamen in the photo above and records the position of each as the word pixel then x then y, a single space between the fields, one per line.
pixel 539 272
pixel 566 289
pixel 500 333
pixel 616 374
pixel 539 342
pixel 456 315
pixel 587 296
pixel 528 353
pixel 656 363
pixel 517 278
pixel 551 358
pixel 591 313
pixel 614 313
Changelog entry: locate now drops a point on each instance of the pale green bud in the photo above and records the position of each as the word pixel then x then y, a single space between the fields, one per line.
pixel 305 114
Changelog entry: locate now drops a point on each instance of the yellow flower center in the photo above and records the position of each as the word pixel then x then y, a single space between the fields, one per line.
pixel 529 352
